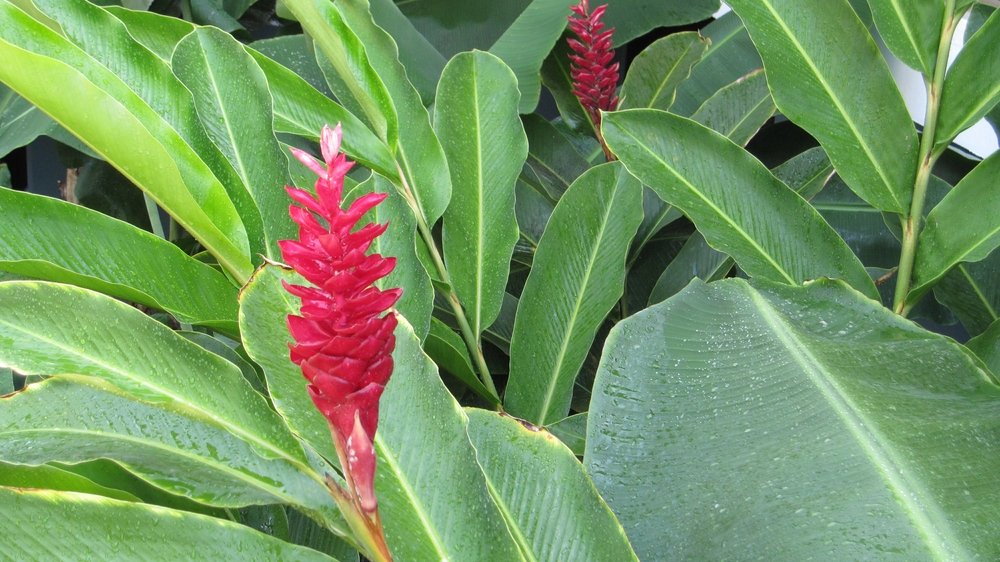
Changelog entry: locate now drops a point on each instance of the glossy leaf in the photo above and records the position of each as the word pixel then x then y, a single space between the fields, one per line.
pixel 656 214
pixel 572 431
pixel 551 156
pixel 739 110
pixel 696 259
pixel 635 18
pixel 954 233
pixel 58 241
pixel 21 123
pixel 769 230
pixel 449 352
pixel 558 517
pixel 419 153
pixel 577 276
pixel 157 33
pixel 53 478
pixel 422 61
pixel 986 346
pixel 911 29
pixel 105 529
pixel 59 420
pixel 308 533
pixel 231 95
pixel 294 53
pixel 476 118
pixel 433 497
pixel 972 86
pixel 117 125
pixel 524 45
pixel 46 328
pixel 972 292
pixel 746 410
pixel 348 55
pixel 859 224
pixel 302 110
pixel 729 55
pixel 807 173
pixel 849 101
pixel 656 72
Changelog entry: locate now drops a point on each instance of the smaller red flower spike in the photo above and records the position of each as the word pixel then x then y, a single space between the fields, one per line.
pixel 343 343
pixel 594 81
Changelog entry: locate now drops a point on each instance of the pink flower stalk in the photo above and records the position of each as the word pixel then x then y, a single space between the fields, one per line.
pixel 343 342
pixel 594 81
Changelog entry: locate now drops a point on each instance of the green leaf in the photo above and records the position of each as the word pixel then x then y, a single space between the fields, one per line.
pixel 849 102
pixel 533 211
pixel 99 186
pixel 525 44
pixel 302 110
pixel 6 381
pixel 423 62
pixel 551 156
pixel 419 153
pixel 294 53
pixel 578 275
pixel 60 420
pixel 572 431
pixel 347 53
pixel 433 497
pixel 553 518
pixel 911 29
pixel 306 532
pixel 476 118
pixel 399 241
pixel 656 214
pixel 739 110
pixel 769 230
pixel 807 173
pixel 21 123
pixel 972 292
pixel 656 72
pixel 231 95
pixel 634 18
pixel 558 80
pixel 788 423
pixel 986 346
pixel 860 225
pixel 120 127
pixel 5 176
pixel 58 241
pixel 104 529
pixel 696 260
pixel 972 86
pixel 730 55
pixel 450 353
pixel 218 347
pixel 956 231
pixel 53 478
pixel 212 13
pixel 46 329
pixel 157 33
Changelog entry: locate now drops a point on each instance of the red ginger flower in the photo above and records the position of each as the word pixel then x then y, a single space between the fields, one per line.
pixel 594 81
pixel 344 344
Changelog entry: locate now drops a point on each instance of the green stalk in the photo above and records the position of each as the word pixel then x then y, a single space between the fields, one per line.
pixel 927 156
pixel 471 339
pixel 154 215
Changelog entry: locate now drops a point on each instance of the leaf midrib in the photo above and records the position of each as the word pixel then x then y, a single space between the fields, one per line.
pixel 906 489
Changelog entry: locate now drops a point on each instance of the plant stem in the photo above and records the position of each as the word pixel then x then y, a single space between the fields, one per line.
pixel 927 156
pixel 154 216
pixel 471 339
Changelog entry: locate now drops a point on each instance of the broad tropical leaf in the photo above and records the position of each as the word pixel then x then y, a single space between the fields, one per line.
pixel 696 259
pixel 972 86
pixel 476 118
pixel 449 352
pixel 555 518
pixel 57 241
pixel 745 410
pixel 423 62
pixel 807 173
pixel 972 291
pixel 577 276
pixel 769 230
pixel 21 123
pixel 656 72
pixel 911 29
pixel 739 110
pixel 551 156
pixel 849 102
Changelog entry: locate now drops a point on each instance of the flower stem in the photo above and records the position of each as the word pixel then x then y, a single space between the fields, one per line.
pixel 471 339
pixel 927 157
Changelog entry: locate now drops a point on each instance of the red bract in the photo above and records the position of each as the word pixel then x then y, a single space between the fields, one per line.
pixel 594 81
pixel 343 342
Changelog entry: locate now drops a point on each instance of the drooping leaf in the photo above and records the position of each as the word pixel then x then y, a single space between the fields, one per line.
pixel 57 241
pixel 960 228
pixel 849 102
pixel 476 118
pixel 807 173
pixel 739 110
pixel 577 276
pixel 911 29
pixel 730 55
pixel 231 95
pixel 105 529
pixel 972 86
pixel 656 72
pixel 557 517
pixel 119 126
pixel 769 230
pixel 47 328
pixel 696 259
pixel 748 411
